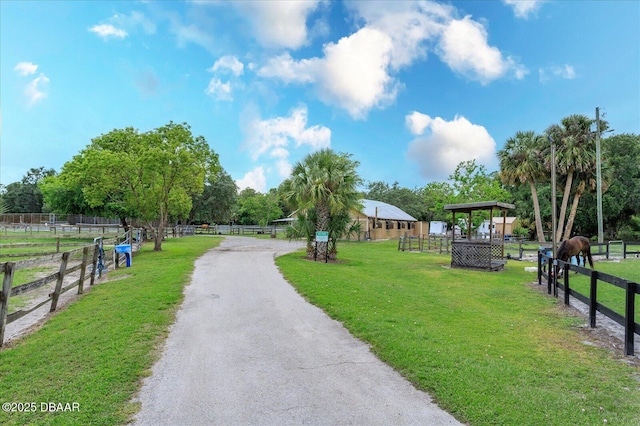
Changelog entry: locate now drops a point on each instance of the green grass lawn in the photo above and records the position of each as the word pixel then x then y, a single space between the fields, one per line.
pixel 489 348
pixel 96 351
pixel 609 295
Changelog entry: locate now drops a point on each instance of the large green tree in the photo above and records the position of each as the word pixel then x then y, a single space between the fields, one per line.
pixel 472 183
pixel 575 163
pixel 25 196
pixel 153 174
pixel 621 201
pixel 406 199
pixel 435 196
pixel 217 202
pixel 63 194
pixel 522 162
pixel 255 208
pixel 326 182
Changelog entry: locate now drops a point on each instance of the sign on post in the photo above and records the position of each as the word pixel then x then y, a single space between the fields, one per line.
pixel 322 236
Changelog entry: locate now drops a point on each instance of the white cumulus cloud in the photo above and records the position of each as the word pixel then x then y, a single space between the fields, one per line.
pixel 409 25
pixel 524 8
pixel 25 68
pixel 225 65
pixel 279 24
pixel 274 141
pixel 275 136
pixel 443 144
pixel 353 74
pixel 219 90
pixel 417 122
pixel 106 31
pixel 254 179
pixel 464 48
pixel 285 68
pixel 228 63
pixel 359 72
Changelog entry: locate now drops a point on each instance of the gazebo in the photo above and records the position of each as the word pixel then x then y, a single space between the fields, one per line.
pixel 484 254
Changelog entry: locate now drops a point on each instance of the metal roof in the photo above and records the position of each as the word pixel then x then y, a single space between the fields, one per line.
pixel 384 211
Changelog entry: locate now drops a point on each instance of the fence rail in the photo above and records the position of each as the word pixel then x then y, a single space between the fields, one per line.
pixel 94 261
pixel 549 268
pixel 52 218
pixel 611 249
pixel 424 243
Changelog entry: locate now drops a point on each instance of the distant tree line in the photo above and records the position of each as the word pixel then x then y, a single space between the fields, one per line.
pixel 168 176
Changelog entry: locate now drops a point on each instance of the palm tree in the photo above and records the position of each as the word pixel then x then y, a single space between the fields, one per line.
pixel 575 159
pixel 521 162
pixel 326 182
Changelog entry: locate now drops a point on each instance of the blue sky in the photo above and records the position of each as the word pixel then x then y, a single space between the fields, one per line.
pixel 410 89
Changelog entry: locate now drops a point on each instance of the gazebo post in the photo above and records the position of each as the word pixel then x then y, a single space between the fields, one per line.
pixel 453 232
pixel 490 225
pixel 504 228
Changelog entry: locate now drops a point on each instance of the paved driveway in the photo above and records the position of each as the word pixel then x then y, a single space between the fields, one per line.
pixel 246 349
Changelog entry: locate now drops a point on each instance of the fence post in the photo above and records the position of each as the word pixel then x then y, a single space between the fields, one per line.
pixel 630 321
pixel 83 269
pixel 567 269
pixel 593 298
pixel 539 267
pixel 58 290
pixel 94 262
pixel 58 245
pixel 556 271
pixel 624 250
pixel 550 275
pixel 7 283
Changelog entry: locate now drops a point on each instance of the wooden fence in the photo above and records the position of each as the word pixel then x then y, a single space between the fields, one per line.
pixel 94 261
pixel 549 268
pixel 515 249
pixel 237 229
pixel 424 243
pixel 59 229
pixel 55 248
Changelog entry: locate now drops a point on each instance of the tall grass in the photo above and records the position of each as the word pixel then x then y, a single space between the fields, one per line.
pixel 486 346
pixel 96 351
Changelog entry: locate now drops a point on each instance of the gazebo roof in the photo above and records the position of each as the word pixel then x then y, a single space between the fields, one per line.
pixel 483 205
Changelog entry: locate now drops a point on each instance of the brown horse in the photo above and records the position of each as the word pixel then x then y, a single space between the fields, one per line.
pixel 573 247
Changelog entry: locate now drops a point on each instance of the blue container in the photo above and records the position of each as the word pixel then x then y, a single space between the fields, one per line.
pixel 126 249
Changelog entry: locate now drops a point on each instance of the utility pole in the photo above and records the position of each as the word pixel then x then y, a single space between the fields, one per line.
pixel 599 178
pixel 554 213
